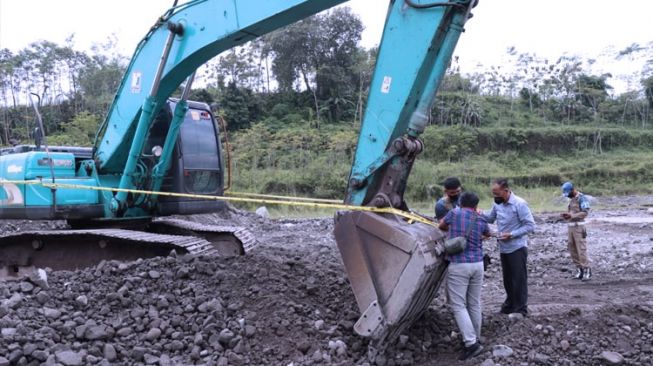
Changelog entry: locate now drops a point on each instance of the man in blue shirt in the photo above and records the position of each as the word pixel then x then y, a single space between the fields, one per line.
pixel 465 271
pixel 452 190
pixel 514 223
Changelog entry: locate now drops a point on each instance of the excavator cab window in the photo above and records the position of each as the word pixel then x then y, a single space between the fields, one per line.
pixel 200 153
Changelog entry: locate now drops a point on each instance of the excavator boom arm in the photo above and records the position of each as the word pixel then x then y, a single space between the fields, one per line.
pixel 208 27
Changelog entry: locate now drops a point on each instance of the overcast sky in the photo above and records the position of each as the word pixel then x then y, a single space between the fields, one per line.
pixel 548 28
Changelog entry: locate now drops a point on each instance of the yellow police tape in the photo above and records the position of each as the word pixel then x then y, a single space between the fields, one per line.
pixel 275 200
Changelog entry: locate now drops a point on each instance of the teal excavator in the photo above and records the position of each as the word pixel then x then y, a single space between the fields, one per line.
pixel 150 142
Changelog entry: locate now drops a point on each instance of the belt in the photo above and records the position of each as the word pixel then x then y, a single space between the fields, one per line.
pixel 572 224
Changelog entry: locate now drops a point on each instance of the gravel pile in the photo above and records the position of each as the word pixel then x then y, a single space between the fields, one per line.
pixel 289 303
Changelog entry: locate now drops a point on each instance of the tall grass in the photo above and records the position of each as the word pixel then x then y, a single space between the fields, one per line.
pixel 317 165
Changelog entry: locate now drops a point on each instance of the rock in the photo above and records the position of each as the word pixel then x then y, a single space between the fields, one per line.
pixel 338 347
pixel 69 358
pixel 226 336
pixel 235 359
pixel 250 330
pixel 153 334
pixel 164 360
pixel 177 345
pixel 51 313
pixel 4 310
pixel 183 273
pixel 28 349
pixel 502 351
pixel 150 359
pixel 26 287
pixel 319 324
pixel 40 355
pixel 14 301
pixel 154 274
pixel 8 332
pixel 541 358
pixel 39 278
pixel 124 332
pixel 263 212
pixel 564 345
pixel 612 358
pixel 97 332
pixel 488 362
pixel 403 339
pixel 42 297
pixel 138 353
pixel 210 306
pixel 317 356
pixel 304 346
pixel 4 361
pixel 515 317
pixel 650 211
pixel 81 301
pixel 109 352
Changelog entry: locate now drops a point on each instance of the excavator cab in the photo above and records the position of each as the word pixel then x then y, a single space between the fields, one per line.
pixel 196 163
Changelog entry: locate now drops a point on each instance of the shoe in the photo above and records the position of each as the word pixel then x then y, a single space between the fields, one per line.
pixel 471 351
pixel 578 274
pixel 505 309
pixel 587 274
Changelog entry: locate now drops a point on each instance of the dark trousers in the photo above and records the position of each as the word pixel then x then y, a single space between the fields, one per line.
pixel 515 276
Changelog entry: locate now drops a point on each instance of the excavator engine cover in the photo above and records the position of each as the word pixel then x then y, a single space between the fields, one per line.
pixel 394 267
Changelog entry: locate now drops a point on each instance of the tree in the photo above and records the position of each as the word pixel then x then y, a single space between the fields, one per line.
pixel 592 90
pixel 80 131
pixel 321 51
pixel 239 107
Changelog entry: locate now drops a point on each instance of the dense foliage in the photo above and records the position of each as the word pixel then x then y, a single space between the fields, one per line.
pixel 294 101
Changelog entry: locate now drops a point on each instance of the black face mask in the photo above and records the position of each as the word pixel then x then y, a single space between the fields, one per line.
pixel 571 195
pixel 499 200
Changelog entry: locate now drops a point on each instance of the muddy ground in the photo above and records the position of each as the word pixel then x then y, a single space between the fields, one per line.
pixel 289 303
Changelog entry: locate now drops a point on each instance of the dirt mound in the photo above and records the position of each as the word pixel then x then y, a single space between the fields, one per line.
pixel 288 302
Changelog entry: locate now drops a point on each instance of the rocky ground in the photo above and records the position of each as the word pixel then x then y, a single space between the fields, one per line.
pixel 289 303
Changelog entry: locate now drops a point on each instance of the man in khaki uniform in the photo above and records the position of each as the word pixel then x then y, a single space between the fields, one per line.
pixel 577 211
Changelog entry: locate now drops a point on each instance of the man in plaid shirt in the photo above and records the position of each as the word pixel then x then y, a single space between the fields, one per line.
pixel 465 272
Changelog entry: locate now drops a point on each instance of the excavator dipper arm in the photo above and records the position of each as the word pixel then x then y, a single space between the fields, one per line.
pixel 395 267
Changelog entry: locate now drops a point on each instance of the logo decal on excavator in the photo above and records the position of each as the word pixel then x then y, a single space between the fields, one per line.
pixel 13 169
pixel 385 88
pixel 13 194
pixel 136 82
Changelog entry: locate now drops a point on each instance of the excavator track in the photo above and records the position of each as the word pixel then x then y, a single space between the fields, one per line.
pixel 227 240
pixel 74 249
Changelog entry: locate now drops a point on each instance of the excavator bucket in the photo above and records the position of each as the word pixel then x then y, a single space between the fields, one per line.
pixel 394 267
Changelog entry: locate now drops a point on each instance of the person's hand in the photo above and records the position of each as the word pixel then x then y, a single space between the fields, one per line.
pixel 504 236
pixel 479 211
pixel 565 215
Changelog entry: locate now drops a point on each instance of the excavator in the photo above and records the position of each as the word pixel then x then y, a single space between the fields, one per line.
pixel 156 156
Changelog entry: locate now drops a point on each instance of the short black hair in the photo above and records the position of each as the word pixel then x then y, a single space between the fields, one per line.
pixel 451 183
pixel 469 200
pixel 502 182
